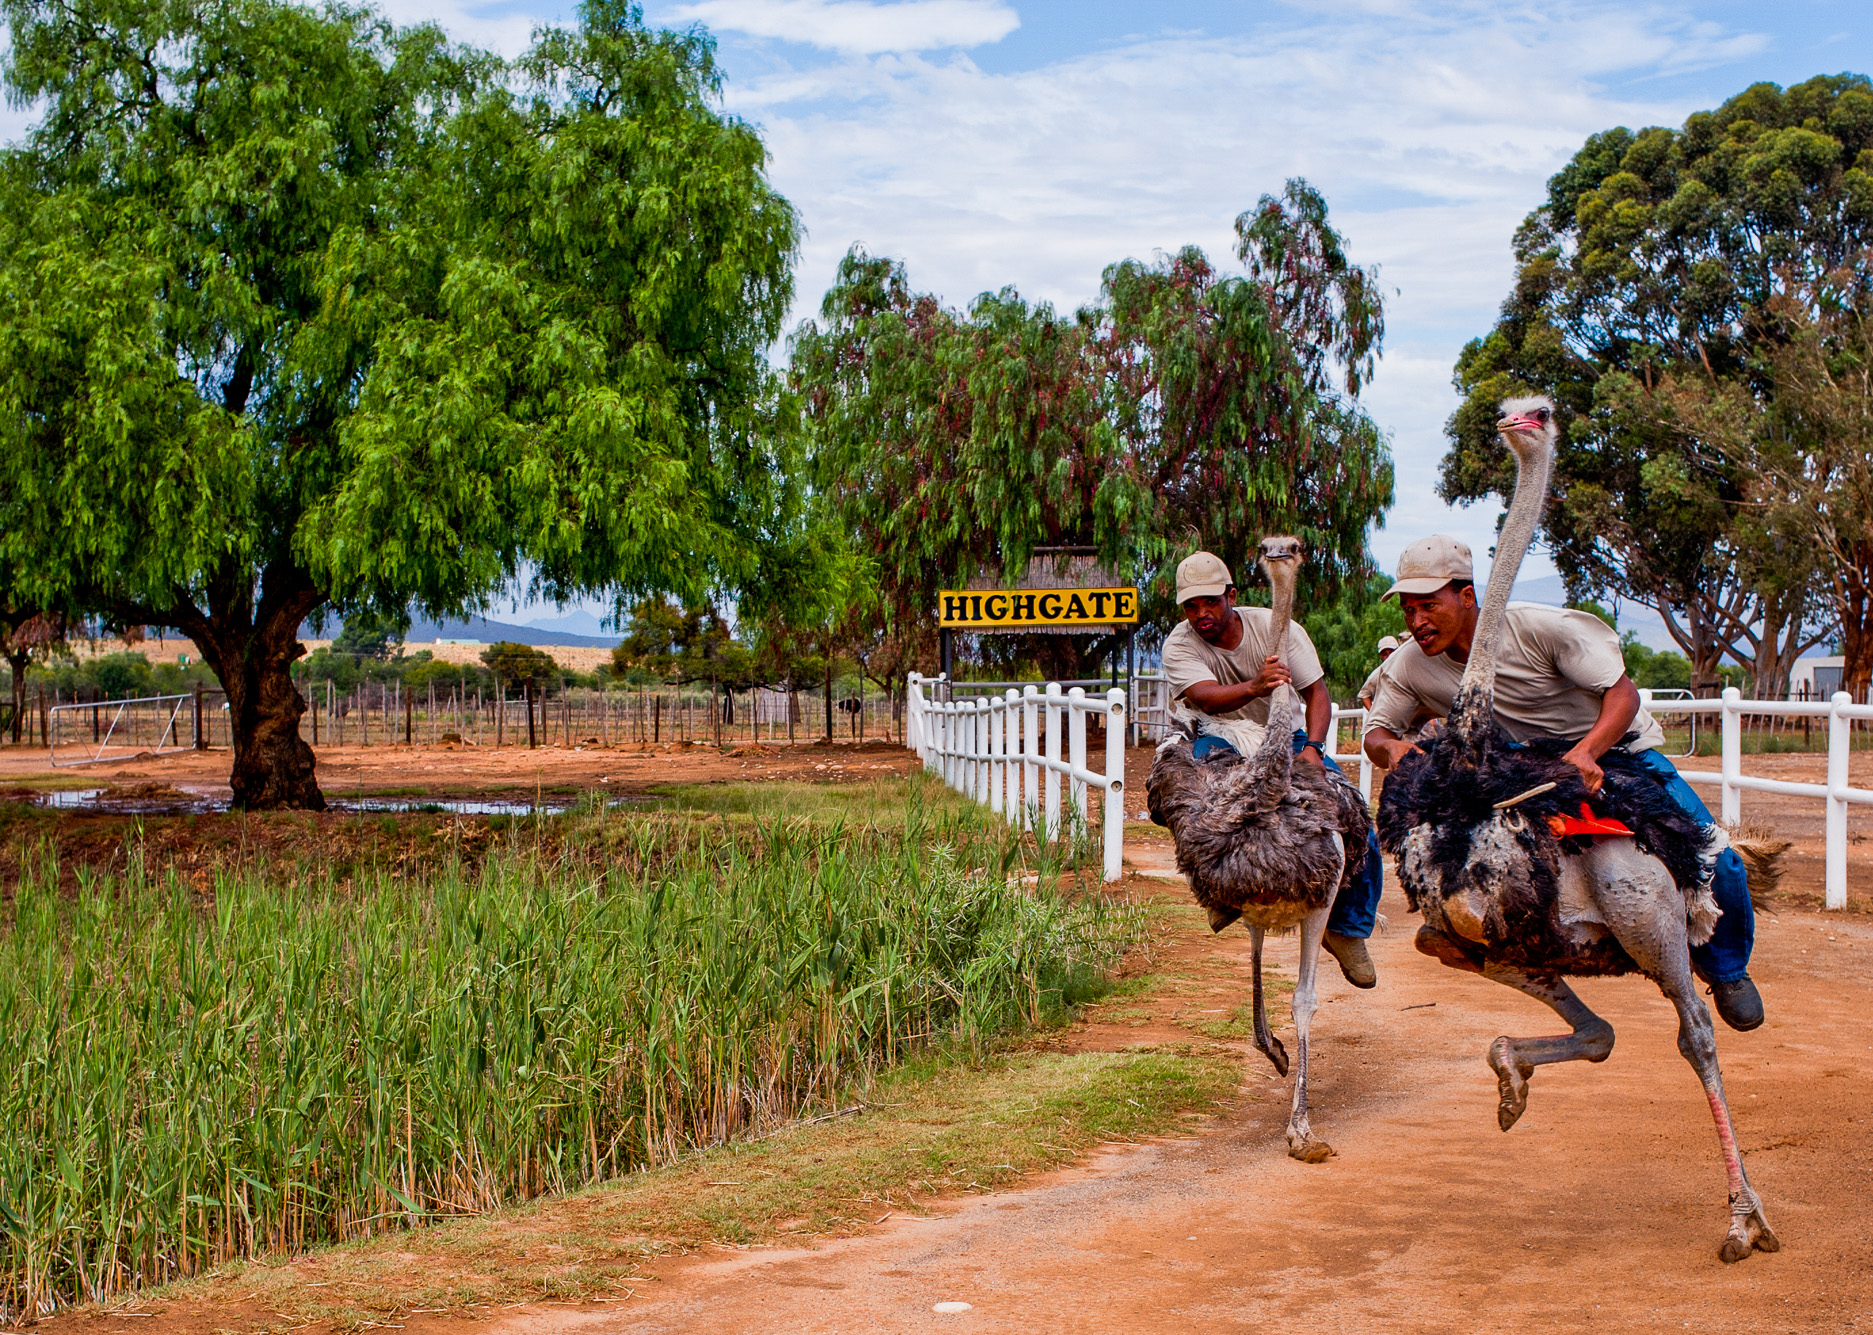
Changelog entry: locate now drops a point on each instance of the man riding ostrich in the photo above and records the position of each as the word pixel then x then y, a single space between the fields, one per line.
pixel 1264 836
pixel 1511 824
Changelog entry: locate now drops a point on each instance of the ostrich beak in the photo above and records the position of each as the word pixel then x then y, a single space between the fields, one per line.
pixel 1519 422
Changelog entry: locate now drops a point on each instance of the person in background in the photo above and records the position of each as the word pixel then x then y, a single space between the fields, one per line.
pixel 1388 645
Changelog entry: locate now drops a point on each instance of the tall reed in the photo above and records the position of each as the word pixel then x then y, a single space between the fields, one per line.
pixel 292 1061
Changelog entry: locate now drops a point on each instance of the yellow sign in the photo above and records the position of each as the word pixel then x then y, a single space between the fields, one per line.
pixel 1011 609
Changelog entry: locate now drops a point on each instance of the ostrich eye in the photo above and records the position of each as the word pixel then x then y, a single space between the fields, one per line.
pixel 1542 414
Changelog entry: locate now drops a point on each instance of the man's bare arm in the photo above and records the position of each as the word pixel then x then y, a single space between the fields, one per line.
pixel 1212 697
pixel 1618 708
pixel 1319 718
pixel 1386 748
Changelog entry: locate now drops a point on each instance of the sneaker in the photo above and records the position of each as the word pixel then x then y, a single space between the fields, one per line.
pixel 1356 964
pixel 1739 1003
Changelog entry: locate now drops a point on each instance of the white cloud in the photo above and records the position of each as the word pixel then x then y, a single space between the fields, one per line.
pixel 859 26
pixel 1431 129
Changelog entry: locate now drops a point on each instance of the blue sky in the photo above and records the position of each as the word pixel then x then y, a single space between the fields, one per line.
pixel 1010 142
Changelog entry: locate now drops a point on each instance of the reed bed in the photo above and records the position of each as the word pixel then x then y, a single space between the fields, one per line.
pixel 290 1060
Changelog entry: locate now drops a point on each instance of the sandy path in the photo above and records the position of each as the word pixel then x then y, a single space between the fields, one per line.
pixel 1601 1210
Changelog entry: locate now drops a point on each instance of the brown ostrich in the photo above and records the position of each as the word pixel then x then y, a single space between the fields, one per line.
pixel 1511 888
pixel 1264 839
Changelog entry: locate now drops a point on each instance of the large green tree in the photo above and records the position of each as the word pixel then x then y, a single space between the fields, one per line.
pixel 1649 264
pixel 298 308
pixel 1186 407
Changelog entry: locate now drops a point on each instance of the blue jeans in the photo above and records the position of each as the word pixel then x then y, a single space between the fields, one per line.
pixel 1356 908
pixel 1725 957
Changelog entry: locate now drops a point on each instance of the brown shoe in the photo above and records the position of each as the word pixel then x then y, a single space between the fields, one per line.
pixel 1355 963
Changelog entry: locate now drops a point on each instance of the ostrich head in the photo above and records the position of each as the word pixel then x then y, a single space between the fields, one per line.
pixel 1527 425
pixel 1281 561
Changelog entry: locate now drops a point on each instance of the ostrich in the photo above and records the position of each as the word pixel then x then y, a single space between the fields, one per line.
pixel 1511 888
pixel 1265 839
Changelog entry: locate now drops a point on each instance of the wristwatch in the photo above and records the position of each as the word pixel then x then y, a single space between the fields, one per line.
pixel 1318 746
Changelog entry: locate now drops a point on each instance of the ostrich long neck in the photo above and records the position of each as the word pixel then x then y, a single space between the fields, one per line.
pixel 1533 462
pixel 1277 740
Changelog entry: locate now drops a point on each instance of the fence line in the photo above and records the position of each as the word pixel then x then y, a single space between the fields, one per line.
pixel 1006 752
pixel 1841 715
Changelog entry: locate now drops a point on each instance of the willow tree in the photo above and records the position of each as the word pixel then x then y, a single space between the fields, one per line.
pixel 1186 406
pixel 302 308
pixel 1650 266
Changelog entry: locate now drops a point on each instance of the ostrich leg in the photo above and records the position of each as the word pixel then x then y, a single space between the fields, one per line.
pixel 1749 1228
pixel 1266 1041
pixel 1302 1144
pixel 1515 1059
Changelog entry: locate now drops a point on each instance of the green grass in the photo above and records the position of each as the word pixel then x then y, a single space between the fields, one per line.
pixel 930 1127
pixel 292 1060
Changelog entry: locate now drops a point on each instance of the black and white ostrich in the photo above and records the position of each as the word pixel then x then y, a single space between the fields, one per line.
pixel 1507 892
pixel 1265 839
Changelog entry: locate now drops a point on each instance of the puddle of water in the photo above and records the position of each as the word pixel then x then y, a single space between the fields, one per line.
pixel 98 800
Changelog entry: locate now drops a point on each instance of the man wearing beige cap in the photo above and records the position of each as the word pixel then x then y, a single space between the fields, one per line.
pixel 1560 674
pixel 1217 660
pixel 1388 645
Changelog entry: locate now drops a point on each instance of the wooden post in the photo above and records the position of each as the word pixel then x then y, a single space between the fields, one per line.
pixel 201 743
pixel 409 713
pixel 45 721
pixel 829 699
pixel 532 739
pixel 500 699
pixel 715 707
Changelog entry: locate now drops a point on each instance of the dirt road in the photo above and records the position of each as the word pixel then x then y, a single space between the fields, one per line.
pixel 1602 1210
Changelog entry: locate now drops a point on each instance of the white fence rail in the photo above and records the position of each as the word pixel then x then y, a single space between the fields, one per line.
pixel 1840 712
pixel 1007 752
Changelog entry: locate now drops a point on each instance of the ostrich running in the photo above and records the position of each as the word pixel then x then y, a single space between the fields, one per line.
pixel 1513 888
pixel 1265 839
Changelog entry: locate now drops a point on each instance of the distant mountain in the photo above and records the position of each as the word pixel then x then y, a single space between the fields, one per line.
pixel 423 631
pixel 574 623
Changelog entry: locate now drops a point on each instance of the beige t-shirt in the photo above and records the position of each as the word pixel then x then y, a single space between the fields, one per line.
pixel 1371 687
pixel 1189 659
pixel 1552 671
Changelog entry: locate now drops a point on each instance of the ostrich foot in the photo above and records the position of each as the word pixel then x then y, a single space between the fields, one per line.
pixel 1511 1080
pixel 1276 1054
pixel 1307 1147
pixel 1749 1230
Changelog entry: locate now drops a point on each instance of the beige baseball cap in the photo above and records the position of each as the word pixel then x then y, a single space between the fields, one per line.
pixel 1202 575
pixel 1387 642
pixel 1429 564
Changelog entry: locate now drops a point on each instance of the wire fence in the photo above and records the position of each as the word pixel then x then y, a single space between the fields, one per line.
pixel 388 714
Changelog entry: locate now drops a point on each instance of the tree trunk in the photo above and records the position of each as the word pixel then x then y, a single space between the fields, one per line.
pixel 273 766
pixel 18 661
pixel 1856 624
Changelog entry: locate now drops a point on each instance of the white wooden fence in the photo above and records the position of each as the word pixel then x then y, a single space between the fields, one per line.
pixel 1007 751
pixel 1841 714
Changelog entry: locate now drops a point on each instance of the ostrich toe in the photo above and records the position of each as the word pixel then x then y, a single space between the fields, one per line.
pixel 1276 1054
pixel 1308 1148
pixel 1749 1231
pixel 1511 1080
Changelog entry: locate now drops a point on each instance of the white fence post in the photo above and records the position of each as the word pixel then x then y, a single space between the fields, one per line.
pixel 1052 753
pixel 994 754
pixel 1115 784
pixel 1076 757
pixel 1011 748
pixel 1030 748
pixel 1732 754
pixel 1839 748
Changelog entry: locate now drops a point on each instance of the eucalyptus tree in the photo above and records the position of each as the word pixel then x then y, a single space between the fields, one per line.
pixel 1186 407
pixel 302 309
pixel 1649 266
